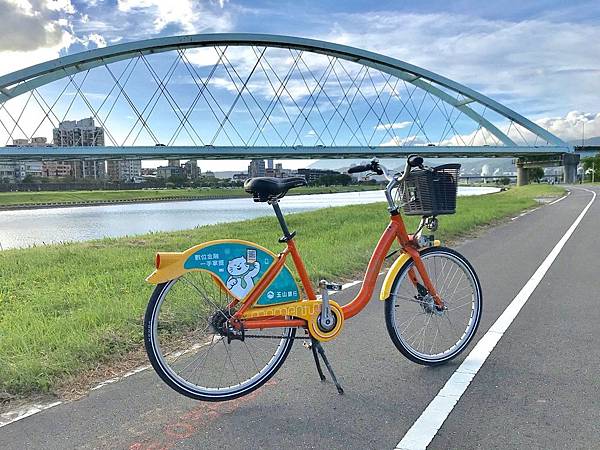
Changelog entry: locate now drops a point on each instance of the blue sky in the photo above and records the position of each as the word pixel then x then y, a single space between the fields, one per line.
pixel 539 58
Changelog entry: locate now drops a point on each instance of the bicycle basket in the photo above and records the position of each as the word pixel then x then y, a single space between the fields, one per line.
pixel 430 192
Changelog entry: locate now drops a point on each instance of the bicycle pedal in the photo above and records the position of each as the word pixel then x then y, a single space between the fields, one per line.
pixel 307 345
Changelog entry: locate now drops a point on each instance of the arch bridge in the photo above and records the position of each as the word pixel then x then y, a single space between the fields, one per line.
pixel 244 96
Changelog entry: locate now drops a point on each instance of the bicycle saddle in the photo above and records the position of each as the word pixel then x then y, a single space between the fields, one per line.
pixel 268 188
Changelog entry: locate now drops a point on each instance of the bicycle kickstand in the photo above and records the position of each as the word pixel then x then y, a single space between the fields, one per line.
pixel 317 347
pixel 313 348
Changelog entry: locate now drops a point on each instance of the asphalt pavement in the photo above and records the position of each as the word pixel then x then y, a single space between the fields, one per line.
pixel 539 388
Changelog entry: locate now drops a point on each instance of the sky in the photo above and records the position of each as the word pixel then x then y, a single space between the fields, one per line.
pixel 540 58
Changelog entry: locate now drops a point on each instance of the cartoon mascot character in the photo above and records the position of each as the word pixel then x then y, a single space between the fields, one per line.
pixel 241 281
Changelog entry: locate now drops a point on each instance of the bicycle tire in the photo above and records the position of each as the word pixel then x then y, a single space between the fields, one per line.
pixel 427 309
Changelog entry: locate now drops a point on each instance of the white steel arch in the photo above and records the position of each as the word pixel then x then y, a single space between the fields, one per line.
pixel 23 81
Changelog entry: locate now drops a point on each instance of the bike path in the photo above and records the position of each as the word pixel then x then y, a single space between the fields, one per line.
pixel 541 386
pixel 385 393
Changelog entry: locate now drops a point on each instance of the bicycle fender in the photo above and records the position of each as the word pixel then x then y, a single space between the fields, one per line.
pixel 386 288
pixel 234 264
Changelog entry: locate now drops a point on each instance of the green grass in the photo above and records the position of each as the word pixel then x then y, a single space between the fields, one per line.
pixel 66 308
pixel 30 198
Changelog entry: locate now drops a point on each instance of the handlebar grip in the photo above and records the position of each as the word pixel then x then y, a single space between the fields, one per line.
pixel 357 169
pixel 414 161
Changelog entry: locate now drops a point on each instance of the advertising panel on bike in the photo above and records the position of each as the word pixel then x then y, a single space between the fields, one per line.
pixel 240 266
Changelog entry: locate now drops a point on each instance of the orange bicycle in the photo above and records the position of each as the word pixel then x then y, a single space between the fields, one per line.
pixel 224 314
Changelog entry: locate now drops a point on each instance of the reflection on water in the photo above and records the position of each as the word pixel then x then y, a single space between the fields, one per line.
pixel 44 226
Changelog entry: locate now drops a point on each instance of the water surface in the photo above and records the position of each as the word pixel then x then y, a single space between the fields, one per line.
pixel 44 226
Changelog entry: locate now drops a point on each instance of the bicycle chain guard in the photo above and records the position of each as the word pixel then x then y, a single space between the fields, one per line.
pixel 308 310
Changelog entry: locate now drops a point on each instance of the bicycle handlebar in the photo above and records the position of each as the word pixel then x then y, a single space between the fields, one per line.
pixel 373 166
pixel 357 169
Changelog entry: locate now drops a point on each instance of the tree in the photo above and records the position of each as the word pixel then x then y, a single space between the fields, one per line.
pixel 177 180
pixel 334 180
pixel 536 174
pixel 591 165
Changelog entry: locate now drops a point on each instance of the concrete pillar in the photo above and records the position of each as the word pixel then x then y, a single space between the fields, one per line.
pixel 522 175
pixel 570 162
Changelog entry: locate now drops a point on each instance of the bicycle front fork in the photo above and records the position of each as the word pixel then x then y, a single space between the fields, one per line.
pixel 427 283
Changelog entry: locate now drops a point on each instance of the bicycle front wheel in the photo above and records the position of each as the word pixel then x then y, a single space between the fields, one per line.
pixel 422 332
pixel 186 338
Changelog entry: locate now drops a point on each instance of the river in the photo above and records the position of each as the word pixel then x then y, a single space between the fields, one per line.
pixel 26 228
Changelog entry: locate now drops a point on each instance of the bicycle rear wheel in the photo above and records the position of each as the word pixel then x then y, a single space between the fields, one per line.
pixel 188 348
pixel 419 330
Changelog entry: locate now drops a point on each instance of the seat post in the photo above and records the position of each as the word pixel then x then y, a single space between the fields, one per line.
pixel 286 232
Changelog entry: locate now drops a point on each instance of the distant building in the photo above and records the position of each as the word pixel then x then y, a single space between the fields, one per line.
pixel 28 168
pixel 191 169
pixel 54 169
pixel 78 133
pixel 311 175
pixel 81 133
pixel 21 143
pixel 173 163
pixel 256 168
pixel 22 169
pixel 167 172
pixel 148 171
pixel 276 172
pixel 37 141
pixel 124 169
pixel 7 171
pixel 37 169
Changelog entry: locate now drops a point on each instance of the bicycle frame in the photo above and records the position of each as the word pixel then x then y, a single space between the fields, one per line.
pixel 395 230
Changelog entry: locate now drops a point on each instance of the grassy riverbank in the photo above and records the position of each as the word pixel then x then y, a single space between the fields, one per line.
pixel 8 199
pixel 65 309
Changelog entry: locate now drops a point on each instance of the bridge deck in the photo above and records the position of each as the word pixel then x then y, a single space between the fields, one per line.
pixel 298 152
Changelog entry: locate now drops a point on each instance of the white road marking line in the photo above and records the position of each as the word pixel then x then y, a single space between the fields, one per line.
pixel 525 213
pixel 121 377
pixel 535 209
pixel 427 425
pixel 559 199
pixel 26 411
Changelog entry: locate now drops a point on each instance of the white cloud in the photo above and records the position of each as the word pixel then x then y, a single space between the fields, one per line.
pixel 392 126
pixel 538 67
pixel 190 16
pixel 60 5
pixel 97 39
pixel 409 140
pixel 573 126
pixel 569 128
pixel 15 60
pixel 27 26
